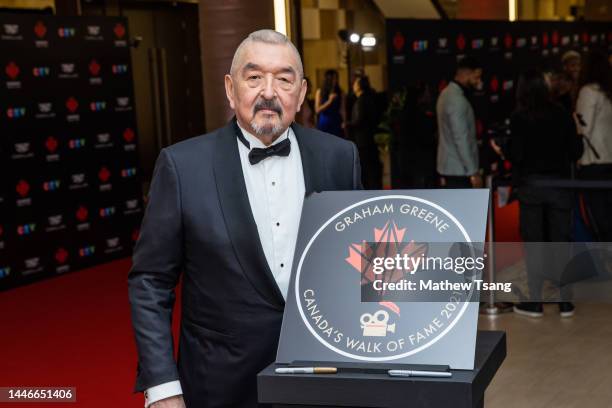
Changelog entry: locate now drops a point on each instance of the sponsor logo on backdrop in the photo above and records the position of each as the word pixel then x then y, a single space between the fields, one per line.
pixel 545 39
pixel 508 85
pixel 5 271
pixel 113 245
pixel 94 70
pixel 534 41
pixel 82 218
pixel 565 40
pixel 442 46
pixel 51 185
pixel 119 32
pixel 123 104
pixel 31 266
pixel 15 112
pixel 461 42
pixel 78 181
pixel 26 229
pixel 106 212
pixel 66 32
pixel 75 144
pixel 132 207
pixel 22 150
pixel 420 45
pixel 41 72
pixel 87 251
pixel 508 41
pixel 51 146
pixel 45 110
pixel 398 43
pixel 594 38
pixel 97 106
pixel 23 193
pixel 554 38
pixel 40 31
pixel 477 43
pixel 12 72
pixel 494 43
pixel 10 32
pixel 103 141
pixel 129 136
pixel 128 172
pixel 68 70
pixel 94 33
pixel 521 42
pixel 72 105
pixel 61 257
pixel 119 69
pixel 55 223
pixel 104 176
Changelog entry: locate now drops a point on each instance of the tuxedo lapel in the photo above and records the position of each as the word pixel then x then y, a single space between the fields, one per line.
pixel 239 219
pixel 312 165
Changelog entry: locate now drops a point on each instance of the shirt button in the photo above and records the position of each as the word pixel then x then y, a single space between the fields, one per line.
pixel 274 183
pixel 278 224
pixel 282 265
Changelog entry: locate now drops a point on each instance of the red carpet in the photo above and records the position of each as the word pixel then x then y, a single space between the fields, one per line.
pixel 72 330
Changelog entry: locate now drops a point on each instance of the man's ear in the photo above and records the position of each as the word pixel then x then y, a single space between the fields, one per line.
pixel 303 90
pixel 229 90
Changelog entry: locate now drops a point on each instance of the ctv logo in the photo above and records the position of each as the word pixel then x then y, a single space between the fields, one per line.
pixel 128 172
pixel 107 212
pixel 477 43
pixel 87 251
pixel 40 72
pixel 51 185
pixel 76 143
pixel 119 69
pixel 16 113
pixel 26 229
pixel 97 106
pixel 420 45
pixel 66 32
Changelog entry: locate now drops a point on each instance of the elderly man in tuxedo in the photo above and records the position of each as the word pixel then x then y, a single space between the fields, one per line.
pixel 224 210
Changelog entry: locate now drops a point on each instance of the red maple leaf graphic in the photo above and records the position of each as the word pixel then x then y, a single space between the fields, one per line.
pixel 12 70
pixel 51 144
pixel 23 188
pixel 119 30
pixel 128 135
pixel 40 29
pixel 388 241
pixel 72 104
pixel 104 174
pixel 94 68
pixel 82 213
pixel 508 40
pixel 494 84
pixel 461 42
pixel 398 41
pixel 61 255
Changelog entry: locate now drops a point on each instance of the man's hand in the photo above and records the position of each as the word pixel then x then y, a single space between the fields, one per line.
pixel 476 181
pixel 171 402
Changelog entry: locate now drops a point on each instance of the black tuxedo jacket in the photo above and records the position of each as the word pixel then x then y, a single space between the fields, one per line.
pixel 199 222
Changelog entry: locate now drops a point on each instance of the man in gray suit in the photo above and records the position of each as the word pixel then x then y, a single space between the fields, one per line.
pixel 223 212
pixel 457 147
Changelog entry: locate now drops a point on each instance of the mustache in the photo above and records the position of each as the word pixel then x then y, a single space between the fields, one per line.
pixel 268 104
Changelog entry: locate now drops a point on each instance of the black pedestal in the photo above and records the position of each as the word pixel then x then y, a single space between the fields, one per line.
pixel 465 389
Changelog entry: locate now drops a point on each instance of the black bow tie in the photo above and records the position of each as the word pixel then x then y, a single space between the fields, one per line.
pixel 258 154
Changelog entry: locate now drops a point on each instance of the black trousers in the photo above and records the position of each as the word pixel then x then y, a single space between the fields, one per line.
pixel 545 216
pixel 599 201
pixel 457 182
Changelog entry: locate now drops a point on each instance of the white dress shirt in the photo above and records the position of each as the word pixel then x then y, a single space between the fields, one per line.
pixel 275 187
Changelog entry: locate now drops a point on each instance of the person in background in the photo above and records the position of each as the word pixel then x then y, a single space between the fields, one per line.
pixel 594 121
pixel 567 82
pixel 306 115
pixel 457 161
pixel 362 127
pixel 417 141
pixel 544 146
pixel 329 105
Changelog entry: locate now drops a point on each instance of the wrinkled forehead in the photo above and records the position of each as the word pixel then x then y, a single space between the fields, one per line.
pixel 266 57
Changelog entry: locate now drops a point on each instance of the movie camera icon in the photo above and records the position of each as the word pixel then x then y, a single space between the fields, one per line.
pixel 376 325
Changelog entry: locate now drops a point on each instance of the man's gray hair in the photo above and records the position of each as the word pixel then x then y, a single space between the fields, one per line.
pixel 269 37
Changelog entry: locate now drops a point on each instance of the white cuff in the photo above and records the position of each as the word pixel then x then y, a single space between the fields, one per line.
pixel 161 391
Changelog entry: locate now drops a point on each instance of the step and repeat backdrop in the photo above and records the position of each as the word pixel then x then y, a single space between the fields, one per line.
pixel 70 194
pixel 425 52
